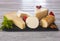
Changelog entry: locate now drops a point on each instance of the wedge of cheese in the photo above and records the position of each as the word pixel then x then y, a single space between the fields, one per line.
pixel 17 20
pixel 45 22
pixel 40 13
pixel 22 14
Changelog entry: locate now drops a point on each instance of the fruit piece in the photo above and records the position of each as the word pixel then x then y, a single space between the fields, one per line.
pixel 51 13
pixel 38 7
pixel 32 22
pixel 24 18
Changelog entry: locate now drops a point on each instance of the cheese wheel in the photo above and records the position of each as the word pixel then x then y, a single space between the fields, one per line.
pixel 45 22
pixel 32 22
pixel 40 13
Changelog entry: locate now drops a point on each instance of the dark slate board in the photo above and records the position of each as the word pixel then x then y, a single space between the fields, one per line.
pixel 16 29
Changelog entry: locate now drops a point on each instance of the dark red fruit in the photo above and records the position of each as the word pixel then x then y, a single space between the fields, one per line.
pixel 24 18
pixel 38 7
pixel 51 13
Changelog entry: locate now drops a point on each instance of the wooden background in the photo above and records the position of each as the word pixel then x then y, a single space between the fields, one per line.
pixel 29 6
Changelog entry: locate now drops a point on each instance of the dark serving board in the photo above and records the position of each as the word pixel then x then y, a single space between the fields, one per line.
pixel 15 28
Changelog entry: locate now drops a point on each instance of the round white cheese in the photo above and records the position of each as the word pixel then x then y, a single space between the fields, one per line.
pixel 32 22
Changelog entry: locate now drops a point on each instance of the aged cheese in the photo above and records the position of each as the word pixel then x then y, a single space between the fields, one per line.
pixel 17 21
pixel 45 22
pixel 40 13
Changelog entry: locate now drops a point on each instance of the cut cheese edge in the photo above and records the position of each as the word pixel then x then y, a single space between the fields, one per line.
pixel 32 22
pixel 44 23
pixel 17 21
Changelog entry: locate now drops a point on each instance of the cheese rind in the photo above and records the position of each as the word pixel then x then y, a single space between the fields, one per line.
pixel 17 21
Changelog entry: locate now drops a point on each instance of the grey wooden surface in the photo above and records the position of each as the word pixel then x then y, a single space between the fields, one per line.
pixel 29 6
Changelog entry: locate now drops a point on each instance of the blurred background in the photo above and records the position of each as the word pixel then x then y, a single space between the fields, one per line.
pixel 29 6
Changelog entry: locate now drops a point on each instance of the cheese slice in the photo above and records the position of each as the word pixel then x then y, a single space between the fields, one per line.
pixel 17 21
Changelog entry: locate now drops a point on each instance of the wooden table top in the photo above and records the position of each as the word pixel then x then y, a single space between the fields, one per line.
pixel 29 6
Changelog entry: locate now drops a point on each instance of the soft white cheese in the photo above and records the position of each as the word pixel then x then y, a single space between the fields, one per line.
pixel 32 22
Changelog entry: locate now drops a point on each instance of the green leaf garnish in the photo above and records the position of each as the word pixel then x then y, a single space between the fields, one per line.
pixel 7 23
